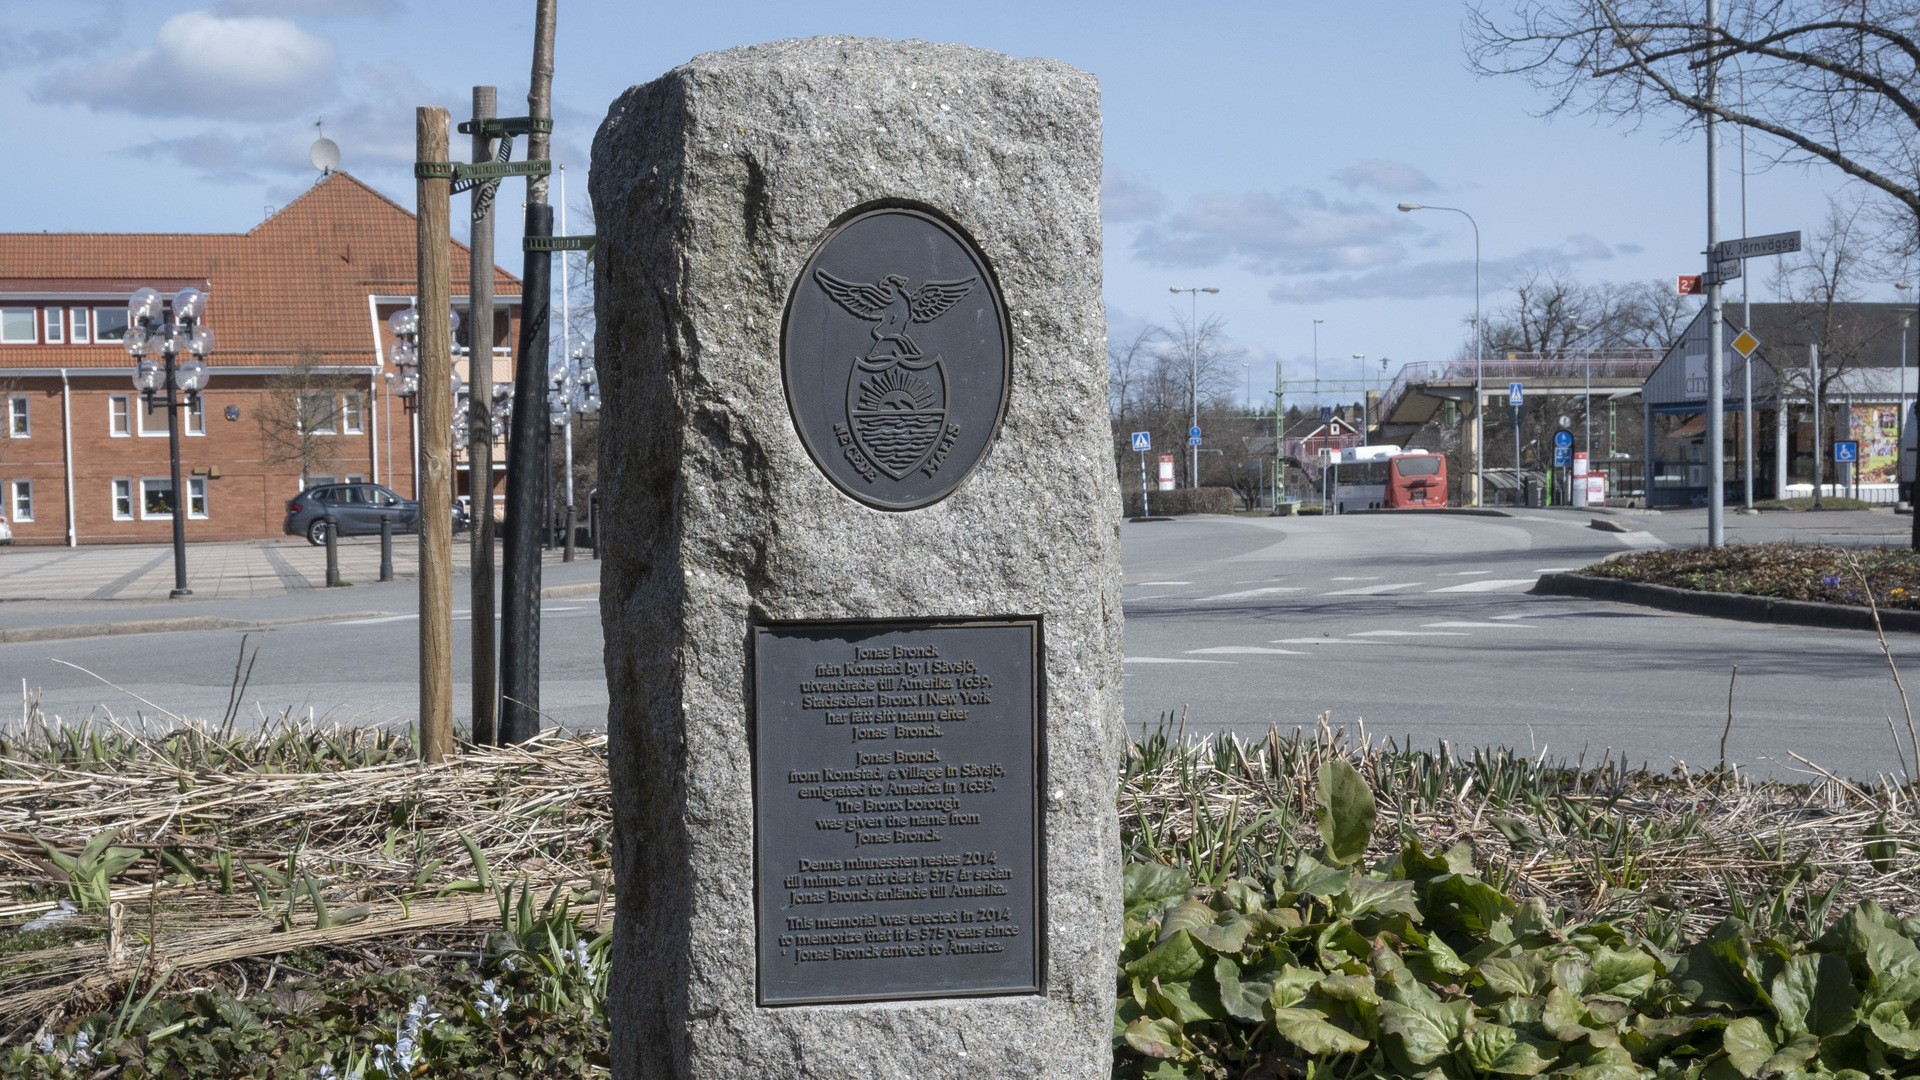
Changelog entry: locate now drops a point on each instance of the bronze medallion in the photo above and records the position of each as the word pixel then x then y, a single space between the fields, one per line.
pixel 896 358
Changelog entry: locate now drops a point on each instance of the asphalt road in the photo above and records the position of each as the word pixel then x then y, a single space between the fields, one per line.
pixel 1419 626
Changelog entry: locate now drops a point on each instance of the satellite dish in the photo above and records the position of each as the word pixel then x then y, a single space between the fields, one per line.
pixel 325 155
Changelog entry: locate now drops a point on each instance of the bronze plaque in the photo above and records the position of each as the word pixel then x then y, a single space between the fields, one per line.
pixel 896 358
pixel 898 833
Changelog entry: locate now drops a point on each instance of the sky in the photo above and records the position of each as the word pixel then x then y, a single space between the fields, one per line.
pixel 1259 148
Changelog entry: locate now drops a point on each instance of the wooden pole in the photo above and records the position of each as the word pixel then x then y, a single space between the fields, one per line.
pixel 480 429
pixel 436 457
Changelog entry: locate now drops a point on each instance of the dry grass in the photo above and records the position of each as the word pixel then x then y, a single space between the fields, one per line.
pixel 345 810
pixel 1671 853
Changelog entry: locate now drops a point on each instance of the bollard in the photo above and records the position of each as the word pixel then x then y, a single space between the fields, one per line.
pixel 333 551
pixel 568 556
pixel 386 548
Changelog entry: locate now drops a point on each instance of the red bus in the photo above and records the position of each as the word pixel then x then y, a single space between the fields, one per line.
pixel 1417 481
pixel 1376 477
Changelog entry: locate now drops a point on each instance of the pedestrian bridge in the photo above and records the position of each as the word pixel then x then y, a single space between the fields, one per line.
pixel 1423 385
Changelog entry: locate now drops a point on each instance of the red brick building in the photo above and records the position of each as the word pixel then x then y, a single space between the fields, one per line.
pixel 298 305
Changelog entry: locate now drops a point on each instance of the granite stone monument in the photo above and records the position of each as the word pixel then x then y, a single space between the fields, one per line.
pixel 861 583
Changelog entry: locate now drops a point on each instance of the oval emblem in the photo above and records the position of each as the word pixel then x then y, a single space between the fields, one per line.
pixel 896 358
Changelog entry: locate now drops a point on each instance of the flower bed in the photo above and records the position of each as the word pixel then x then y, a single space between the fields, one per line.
pixel 1784 571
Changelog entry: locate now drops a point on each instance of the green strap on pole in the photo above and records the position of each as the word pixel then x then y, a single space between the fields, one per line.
pixel 558 243
pixel 480 170
pixel 507 125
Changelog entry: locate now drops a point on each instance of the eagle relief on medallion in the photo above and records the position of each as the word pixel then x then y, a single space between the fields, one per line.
pixel 904 408
pixel 897 395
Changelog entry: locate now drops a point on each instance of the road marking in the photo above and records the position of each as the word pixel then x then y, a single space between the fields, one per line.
pixel 1371 590
pixel 1554 570
pixel 1407 633
pixel 1268 591
pixel 1159 582
pixel 1169 660
pixel 1523 615
pixel 1322 641
pixel 1375 577
pixel 1470 573
pixel 1481 625
pixel 1640 539
pixel 1249 649
pixel 1488 585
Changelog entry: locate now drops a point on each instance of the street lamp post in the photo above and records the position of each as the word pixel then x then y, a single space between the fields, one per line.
pixel 1193 372
pixel 1366 420
pixel 151 328
pixel 1316 362
pixel 1906 403
pixel 1479 385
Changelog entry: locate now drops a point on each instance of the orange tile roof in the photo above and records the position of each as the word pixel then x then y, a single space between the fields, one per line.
pixel 296 284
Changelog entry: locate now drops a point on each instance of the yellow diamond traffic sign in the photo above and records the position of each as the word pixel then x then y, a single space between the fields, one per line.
pixel 1745 344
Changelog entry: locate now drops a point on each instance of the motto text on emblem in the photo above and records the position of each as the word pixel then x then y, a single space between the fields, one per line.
pixel 896 358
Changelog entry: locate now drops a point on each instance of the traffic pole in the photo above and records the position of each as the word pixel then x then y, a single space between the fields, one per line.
pixel 1716 331
pixel 436 452
pixel 530 442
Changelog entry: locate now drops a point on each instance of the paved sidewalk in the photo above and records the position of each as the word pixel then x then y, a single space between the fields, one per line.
pixel 215 571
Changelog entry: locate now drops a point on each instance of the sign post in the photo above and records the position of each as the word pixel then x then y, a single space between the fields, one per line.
pixel 1516 399
pixel 1143 442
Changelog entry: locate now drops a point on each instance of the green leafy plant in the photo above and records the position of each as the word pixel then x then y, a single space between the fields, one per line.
pixel 90 873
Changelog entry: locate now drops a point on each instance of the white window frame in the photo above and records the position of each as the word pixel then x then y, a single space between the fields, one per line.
pixel 120 415
pixel 122 489
pixel 333 419
pixel 195 421
pixel 33 317
pixel 352 414
pixel 19 417
pixel 54 323
pixel 82 325
pixel 196 496
pixel 20 492
pixel 158 416
pixel 95 325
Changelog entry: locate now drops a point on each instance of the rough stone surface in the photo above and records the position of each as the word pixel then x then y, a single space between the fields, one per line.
pixel 712 186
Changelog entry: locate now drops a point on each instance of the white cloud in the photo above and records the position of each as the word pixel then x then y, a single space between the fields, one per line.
pixel 203 64
pixel 1392 177
pixel 1448 278
pixel 1126 197
pixel 379 8
pixel 1294 232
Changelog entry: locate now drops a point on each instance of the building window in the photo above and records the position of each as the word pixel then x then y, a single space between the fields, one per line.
pixel 19 424
pixel 317 413
pixel 352 406
pixel 79 326
pixel 22 500
pixel 151 423
pixel 196 416
pixel 56 325
pixel 109 324
pixel 119 416
pixel 123 500
pixel 156 497
pixel 16 325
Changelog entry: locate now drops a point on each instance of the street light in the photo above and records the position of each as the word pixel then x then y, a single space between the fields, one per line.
pixel 151 328
pixel 1905 402
pixel 404 325
pixel 1479 384
pixel 1193 372
pixel 1365 418
pixel 576 392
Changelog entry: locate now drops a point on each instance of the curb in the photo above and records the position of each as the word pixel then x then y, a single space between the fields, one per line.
pixel 1724 605
pixel 1466 511
pixel 215 622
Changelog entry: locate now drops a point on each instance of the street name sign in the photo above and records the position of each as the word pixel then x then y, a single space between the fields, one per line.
pixel 1753 247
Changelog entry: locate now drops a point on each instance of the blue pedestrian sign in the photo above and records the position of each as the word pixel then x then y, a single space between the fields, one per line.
pixel 1193 432
pixel 1326 413
pixel 1562 456
pixel 1514 394
pixel 1142 441
pixel 1562 440
pixel 1846 451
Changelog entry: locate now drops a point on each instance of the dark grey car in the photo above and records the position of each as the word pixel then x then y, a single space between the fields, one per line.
pixel 357 508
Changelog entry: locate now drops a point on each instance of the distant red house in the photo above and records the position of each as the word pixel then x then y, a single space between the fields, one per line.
pixel 309 288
